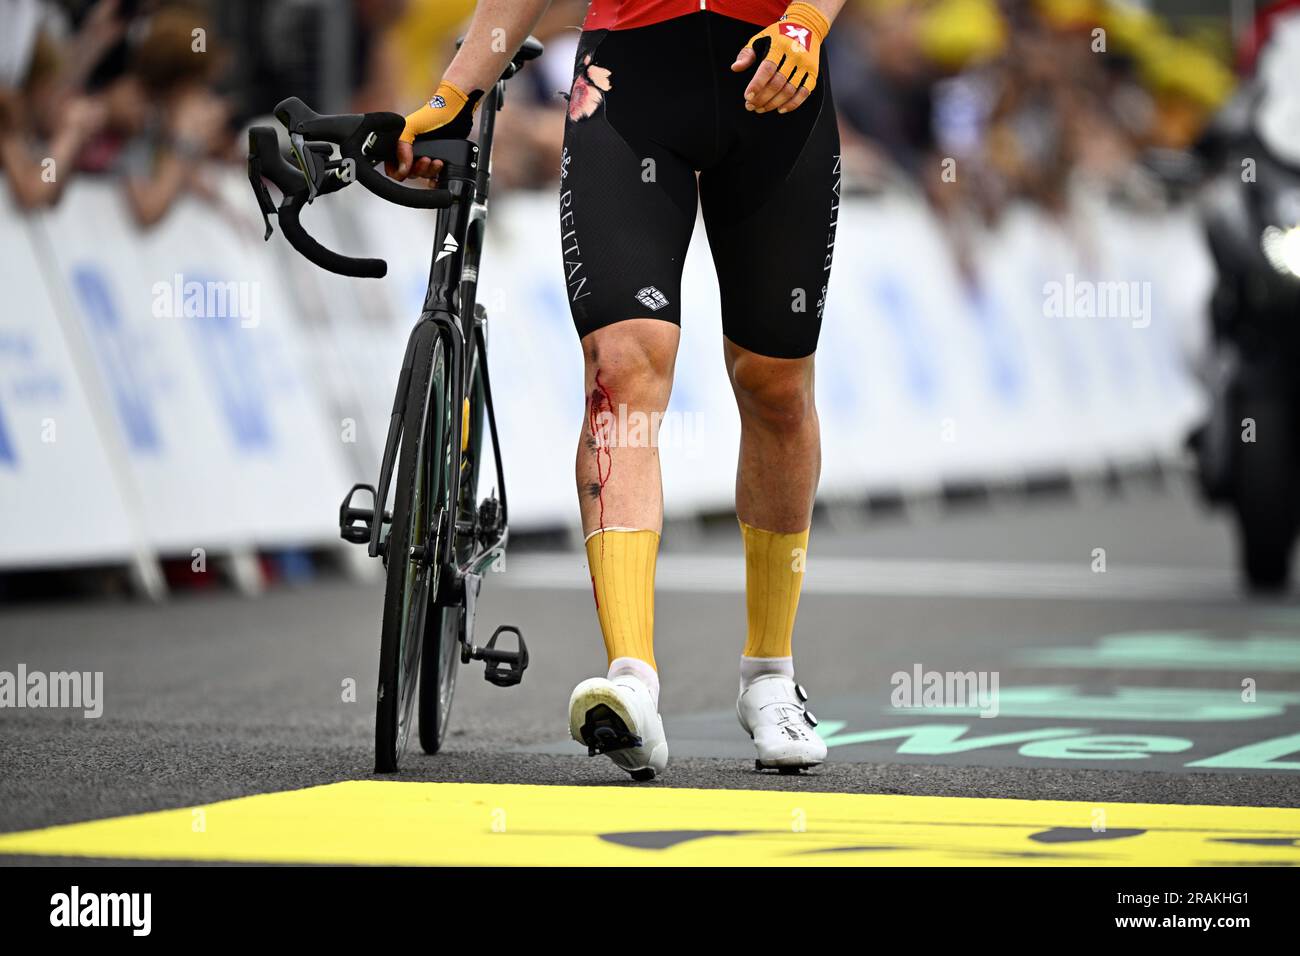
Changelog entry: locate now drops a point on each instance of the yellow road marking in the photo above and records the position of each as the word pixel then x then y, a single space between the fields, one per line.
pixel 389 822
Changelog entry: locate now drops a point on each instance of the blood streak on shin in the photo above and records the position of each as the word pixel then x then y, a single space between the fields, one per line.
pixel 600 413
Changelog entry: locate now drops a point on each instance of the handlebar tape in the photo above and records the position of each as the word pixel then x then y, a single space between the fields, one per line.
pixel 327 259
pixel 352 132
pixel 394 192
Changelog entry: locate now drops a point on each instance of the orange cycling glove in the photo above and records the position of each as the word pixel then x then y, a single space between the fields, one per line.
pixel 450 111
pixel 793 47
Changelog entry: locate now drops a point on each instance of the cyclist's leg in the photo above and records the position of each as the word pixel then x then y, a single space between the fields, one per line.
pixel 627 209
pixel 628 371
pixel 780 462
pixel 778 425
pixel 771 207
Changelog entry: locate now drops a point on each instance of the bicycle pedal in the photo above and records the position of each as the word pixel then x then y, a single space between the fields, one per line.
pixel 504 668
pixel 355 523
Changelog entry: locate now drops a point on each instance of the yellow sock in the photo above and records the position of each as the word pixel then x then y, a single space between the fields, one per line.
pixel 622 566
pixel 774 564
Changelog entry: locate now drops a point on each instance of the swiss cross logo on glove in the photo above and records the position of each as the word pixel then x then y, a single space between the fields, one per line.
pixel 797 34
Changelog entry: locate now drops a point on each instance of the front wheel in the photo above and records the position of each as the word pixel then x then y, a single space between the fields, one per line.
pixel 412 548
pixel 446 631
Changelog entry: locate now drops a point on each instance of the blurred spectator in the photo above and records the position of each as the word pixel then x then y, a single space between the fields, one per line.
pixel 973 104
pixel 982 103
pixel 424 41
pixel 1257 37
pixel 376 61
pixel 883 87
pixel 23 23
pixel 43 128
pixel 128 93
pixel 163 116
pixel 45 116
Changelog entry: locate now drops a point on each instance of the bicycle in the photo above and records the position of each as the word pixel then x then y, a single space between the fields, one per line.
pixel 438 539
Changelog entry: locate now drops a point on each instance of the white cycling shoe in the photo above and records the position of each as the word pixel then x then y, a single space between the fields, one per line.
pixel 771 710
pixel 619 718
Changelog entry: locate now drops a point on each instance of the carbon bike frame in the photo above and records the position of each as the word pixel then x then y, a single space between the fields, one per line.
pixel 449 306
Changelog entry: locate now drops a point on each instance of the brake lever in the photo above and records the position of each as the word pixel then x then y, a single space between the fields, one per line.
pixel 266 162
pixel 304 159
pixel 264 201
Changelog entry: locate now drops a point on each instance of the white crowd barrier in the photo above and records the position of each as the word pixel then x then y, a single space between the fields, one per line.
pixel 130 427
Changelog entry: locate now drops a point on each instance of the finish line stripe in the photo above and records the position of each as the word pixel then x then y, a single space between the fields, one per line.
pixel 390 822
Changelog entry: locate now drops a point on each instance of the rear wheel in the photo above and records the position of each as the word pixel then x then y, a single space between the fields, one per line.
pixel 412 548
pixel 446 630
pixel 438 675
pixel 1265 494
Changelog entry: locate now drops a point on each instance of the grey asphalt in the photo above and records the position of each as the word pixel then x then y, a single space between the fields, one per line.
pixel 213 695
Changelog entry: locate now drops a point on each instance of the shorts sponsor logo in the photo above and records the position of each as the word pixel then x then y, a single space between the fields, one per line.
pixel 651 298
pixel 830 233
pixel 574 276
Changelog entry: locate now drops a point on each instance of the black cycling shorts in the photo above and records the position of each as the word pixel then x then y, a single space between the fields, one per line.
pixel 650 107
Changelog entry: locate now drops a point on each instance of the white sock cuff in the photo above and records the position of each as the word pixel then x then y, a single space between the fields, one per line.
pixel 639 669
pixel 752 668
pixel 607 530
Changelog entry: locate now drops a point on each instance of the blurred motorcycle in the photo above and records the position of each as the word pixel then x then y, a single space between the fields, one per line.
pixel 1248 452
